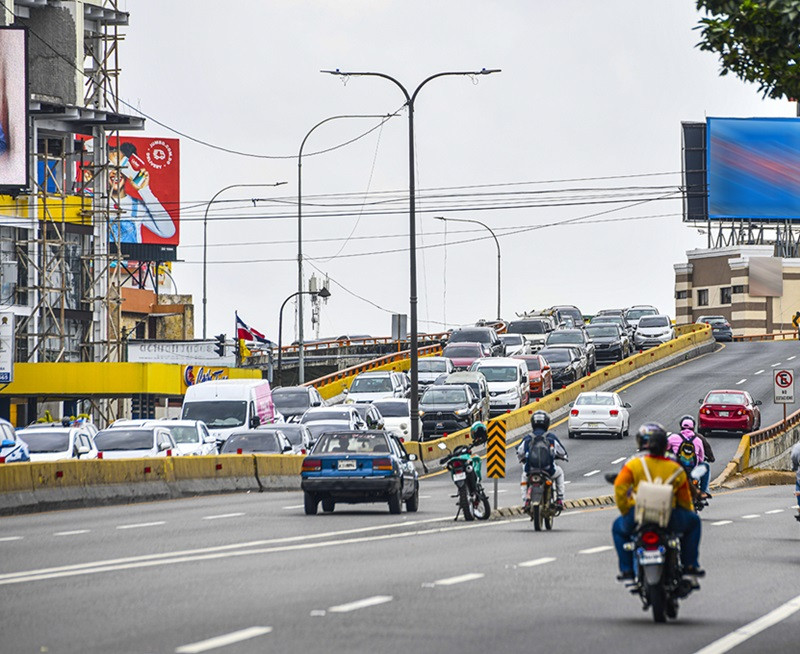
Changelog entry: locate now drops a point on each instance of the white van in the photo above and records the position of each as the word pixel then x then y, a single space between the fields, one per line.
pixel 509 387
pixel 228 405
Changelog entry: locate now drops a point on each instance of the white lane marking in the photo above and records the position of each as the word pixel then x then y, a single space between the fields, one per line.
pixel 735 638
pixel 719 523
pixel 593 472
pixel 741 381
pixel 758 372
pixel 774 511
pixel 535 562
pixel 502 490
pixel 750 516
pixel 361 604
pixel 450 581
pixel 596 550
pixel 791 357
pixel 6 539
pixel 422 497
pixel 222 641
pixel 142 524
pixel 567 482
pixel 775 365
pixel 74 532
pixel 222 515
pixel 295 506
pixel 619 460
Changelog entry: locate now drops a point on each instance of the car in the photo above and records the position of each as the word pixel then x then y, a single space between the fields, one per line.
pixel 575 337
pixel 192 437
pixel 732 411
pixel 477 382
pixel 397 416
pixel 653 331
pixel 540 377
pixel 448 408
pixel 534 330
pixel 429 368
pixel 357 467
pixel 292 401
pixel 316 429
pixel 298 435
pixel 720 327
pixel 12 448
pixel 583 360
pixel 565 365
pixel 485 335
pixel 262 441
pixel 572 311
pixel 610 341
pixel 376 385
pixel 615 319
pixel 598 413
pixel 509 386
pixel 341 412
pixel 611 312
pixel 405 381
pixel 635 313
pixel 54 442
pixel 371 415
pixel 135 442
pixel 515 344
pixel 464 355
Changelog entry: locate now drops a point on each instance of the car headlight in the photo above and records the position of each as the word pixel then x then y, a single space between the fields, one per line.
pixel 421 413
pixel 462 412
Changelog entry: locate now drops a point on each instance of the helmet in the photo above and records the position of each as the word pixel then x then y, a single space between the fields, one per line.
pixel 652 437
pixel 478 432
pixel 540 420
pixel 687 422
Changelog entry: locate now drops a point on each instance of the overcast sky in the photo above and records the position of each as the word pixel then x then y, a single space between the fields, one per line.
pixel 588 90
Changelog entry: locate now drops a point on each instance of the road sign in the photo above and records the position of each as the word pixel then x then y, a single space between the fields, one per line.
pixel 7 348
pixel 796 320
pixel 496 450
pixel 784 387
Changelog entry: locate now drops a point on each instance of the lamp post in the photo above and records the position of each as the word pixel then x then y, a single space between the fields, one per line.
pixel 496 242
pixel 205 240
pixel 410 99
pixel 323 293
pixel 301 358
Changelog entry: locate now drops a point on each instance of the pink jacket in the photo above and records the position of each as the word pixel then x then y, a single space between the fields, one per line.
pixel 674 442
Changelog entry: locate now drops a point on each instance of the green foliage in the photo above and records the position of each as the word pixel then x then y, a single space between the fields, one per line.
pixel 758 41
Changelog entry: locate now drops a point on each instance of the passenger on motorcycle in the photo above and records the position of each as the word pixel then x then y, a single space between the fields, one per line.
pixel 689 450
pixel 478 433
pixel 683 520
pixel 540 423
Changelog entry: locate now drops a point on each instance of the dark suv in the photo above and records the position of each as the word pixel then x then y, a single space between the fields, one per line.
pixel 485 335
pixel 575 337
pixel 447 408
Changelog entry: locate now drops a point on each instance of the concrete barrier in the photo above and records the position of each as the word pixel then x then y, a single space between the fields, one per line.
pixel 279 471
pixel 223 473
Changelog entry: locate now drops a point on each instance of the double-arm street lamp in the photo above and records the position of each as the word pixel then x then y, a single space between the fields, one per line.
pixel 496 242
pixel 410 99
pixel 323 293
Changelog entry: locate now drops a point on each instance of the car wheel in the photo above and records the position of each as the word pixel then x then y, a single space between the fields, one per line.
pixel 571 434
pixel 395 502
pixel 310 503
pixel 620 434
pixel 412 503
pixel 328 504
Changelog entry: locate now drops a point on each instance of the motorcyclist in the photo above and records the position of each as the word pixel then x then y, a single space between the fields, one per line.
pixel 478 433
pixel 689 450
pixel 708 454
pixel 683 520
pixel 540 424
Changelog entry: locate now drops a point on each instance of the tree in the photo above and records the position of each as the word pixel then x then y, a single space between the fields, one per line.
pixel 757 40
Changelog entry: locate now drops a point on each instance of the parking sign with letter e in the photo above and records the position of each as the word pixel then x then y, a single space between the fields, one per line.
pixel 783 386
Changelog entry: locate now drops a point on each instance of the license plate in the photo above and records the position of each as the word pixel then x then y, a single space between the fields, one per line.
pixel 459 476
pixel 724 414
pixel 346 465
pixel 651 558
pixel 439 425
pixel 594 425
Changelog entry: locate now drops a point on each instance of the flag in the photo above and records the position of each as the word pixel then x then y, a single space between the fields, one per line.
pixel 249 334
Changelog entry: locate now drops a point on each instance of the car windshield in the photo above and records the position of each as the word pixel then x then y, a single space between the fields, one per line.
pixel 596 331
pixel 462 351
pixel 715 320
pixel 531 362
pixel 46 441
pixel 328 414
pixel 725 398
pixel 471 336
pixel 565 337
pixel 635 314
pixel 217 413
pixel 393 409
pixel 654 321
pixel 291 399
pixel 444 396
pixel 432 365
pixel 120 438
pixel 512 339
pixel 184 434
pixel 260 441
pixel 559 356
pixel 499 373
pixel 526 327
pixel 352 444
pixel 371 385
pixel 595 399
pixel 607 318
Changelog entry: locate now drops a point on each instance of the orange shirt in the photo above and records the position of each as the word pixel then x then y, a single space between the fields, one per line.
pixel 659 467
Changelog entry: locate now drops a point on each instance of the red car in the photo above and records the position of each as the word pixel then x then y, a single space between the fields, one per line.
pixel 729 411
pixel 539 375
pixel 463 355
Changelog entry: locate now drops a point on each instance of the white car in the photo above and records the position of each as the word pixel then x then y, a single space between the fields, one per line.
pixel 635 313
pixel 133 442
pixel 509 388
pixel 339 412
pixel 597 413
pixel 515 344
pixel 369 386
pixel 397 417
pixel 430 369
pixel 653 331
pixel 191 436
pixel 53 442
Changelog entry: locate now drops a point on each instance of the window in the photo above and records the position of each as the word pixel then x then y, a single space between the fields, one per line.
pixel 681 295
pixel 738 289
pixel 702 298
pixel 725 295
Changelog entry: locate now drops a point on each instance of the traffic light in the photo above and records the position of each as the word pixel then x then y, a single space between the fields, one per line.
pixel 219 348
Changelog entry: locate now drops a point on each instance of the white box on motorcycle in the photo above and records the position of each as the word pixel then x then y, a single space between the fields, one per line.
pixel 654 499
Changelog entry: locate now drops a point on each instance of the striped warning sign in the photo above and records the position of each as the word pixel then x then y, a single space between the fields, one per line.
pixel 496 450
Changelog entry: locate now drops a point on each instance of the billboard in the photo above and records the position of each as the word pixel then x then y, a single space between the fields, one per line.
pixel 753 168
pixel 13 108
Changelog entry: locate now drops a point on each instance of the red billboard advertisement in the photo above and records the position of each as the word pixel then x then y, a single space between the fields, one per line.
pixel 13 108
pixel 144 183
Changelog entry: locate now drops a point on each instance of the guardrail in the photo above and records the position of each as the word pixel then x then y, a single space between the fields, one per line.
pixel 367 340
pixel 775 336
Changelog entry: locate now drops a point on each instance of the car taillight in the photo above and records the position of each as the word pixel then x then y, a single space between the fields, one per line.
pixel 458 463
pixel 99 455
pixel 613 412
pixel 312 465
pixel 574 412
pixel 650 539
pixel 705 411
pixel 740 412
pixel 382 464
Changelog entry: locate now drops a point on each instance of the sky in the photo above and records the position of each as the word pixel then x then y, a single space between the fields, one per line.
pixel 571 154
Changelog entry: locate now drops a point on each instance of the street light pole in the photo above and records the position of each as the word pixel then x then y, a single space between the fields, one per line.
pixel 410 99
pixel 205 240
pixel 323 293
pixel 301 358
pixel 496 242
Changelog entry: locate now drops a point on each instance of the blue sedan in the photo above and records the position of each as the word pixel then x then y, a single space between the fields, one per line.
pixel 354 467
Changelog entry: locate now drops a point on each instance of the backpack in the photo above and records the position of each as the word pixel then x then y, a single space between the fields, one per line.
pixel 540 457
pixel 687 454
pixel 654 498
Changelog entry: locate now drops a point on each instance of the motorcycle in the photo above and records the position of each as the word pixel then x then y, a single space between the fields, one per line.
pixel 465 471
pixel 695 478
pixel 540 500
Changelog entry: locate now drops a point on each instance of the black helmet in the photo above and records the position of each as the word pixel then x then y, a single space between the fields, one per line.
pixel 652 437
pixel 540 420
pixel 687 422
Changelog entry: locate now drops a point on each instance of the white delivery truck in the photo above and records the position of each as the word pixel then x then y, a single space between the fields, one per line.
pixel 229 405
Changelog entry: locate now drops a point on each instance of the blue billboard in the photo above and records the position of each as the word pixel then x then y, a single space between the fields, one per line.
pixel 753 168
